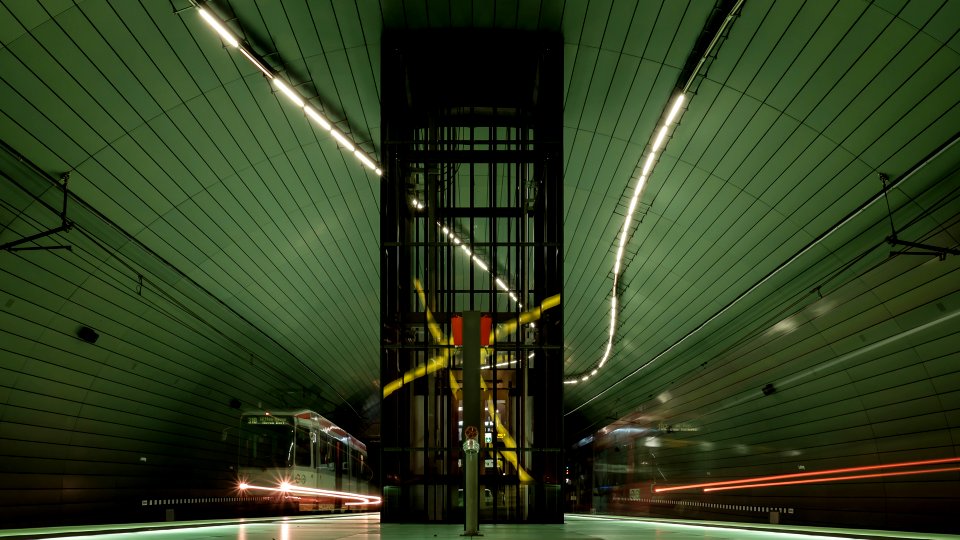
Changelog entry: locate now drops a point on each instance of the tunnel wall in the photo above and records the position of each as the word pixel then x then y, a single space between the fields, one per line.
pixel 139 424
pixel 868 375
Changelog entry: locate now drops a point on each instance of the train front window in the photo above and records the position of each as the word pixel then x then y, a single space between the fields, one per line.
pixel 266 442
pixel 303 447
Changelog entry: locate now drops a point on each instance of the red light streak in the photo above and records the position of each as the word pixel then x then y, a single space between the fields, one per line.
pixel 834 479
pixel 808 474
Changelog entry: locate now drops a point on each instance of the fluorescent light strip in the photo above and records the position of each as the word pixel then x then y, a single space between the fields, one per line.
pixel 365 159
pixel 218 26
pixel 481 264
pixel 289 92
pixel 476 260
pixel 658 142
pixel 342 140
pixel 312 113
pixel 501 364
pixel 263 69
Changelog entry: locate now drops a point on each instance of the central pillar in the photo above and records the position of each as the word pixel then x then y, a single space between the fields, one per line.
pixel 471 221
pixel 471 420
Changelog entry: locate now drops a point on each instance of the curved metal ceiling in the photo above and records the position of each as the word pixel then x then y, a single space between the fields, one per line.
pixel 266 231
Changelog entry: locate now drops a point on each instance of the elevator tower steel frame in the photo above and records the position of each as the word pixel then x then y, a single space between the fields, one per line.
pixel 471 220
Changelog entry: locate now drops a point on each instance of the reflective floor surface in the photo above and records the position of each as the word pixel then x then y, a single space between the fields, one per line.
pixel 368 526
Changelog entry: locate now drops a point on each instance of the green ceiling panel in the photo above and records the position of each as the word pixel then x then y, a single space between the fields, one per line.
pixel 817 57
pixel 595 21
pixel 755 53
pixel 779 66
pixel 717 104
pixel 732 131
pixel 942 25
pixel 312 29
pixel 620 19
pixel 920 13
pixel 604 68
pixel 505 14
pixel 764 129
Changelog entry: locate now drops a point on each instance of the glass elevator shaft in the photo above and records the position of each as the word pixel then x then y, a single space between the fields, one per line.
pixel 471 220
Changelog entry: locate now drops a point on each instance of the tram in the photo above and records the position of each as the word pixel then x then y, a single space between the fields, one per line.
pixel 303 459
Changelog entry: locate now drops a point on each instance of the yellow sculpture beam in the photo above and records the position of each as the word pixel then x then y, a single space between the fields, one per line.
pixel 442 360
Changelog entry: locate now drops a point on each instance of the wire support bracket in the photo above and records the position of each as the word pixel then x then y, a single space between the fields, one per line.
pixel 931 250
pixel 65 226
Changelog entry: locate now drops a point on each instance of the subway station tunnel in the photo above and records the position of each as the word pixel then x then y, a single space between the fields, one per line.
pixel 755 263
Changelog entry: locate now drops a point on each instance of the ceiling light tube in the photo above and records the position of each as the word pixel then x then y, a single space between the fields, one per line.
pixel 641 182
pixel 363 157
pixel 481 264
pixel 465 249
pixel 218 26
pixel 660 137
pixel 651 158
pixel 342 140
pixel 289 92
pixel 674 110
pixel 501 284
pixel 257 63
pixel 445 230
pixel 312 113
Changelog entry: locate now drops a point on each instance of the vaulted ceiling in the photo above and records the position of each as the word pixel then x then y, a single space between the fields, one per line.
pixel 201 184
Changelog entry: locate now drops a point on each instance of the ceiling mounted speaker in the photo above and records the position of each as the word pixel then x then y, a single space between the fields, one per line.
pixel 88 334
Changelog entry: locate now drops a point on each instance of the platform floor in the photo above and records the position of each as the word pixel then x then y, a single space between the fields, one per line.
pixel 367 527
